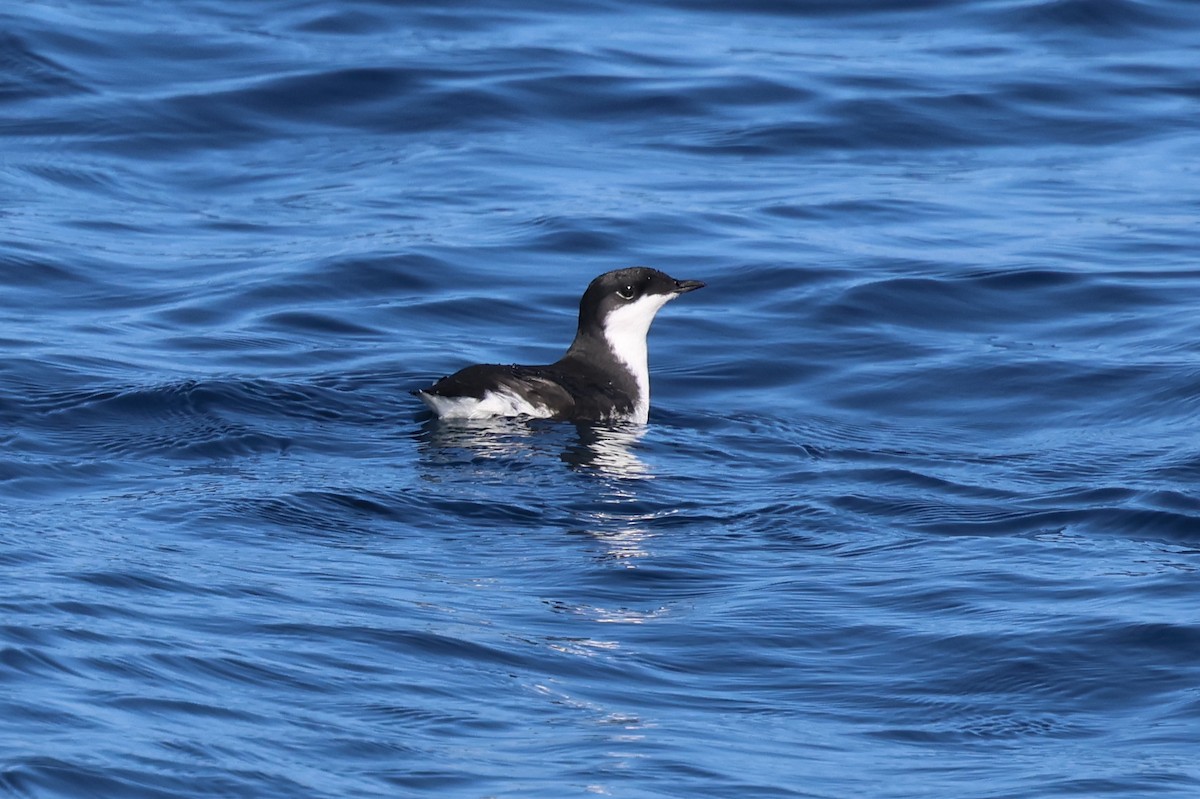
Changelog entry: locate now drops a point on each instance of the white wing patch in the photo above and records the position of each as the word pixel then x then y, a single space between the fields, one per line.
pixel 494 403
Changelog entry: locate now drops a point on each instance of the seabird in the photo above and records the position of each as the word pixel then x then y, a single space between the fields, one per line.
pixel 604 377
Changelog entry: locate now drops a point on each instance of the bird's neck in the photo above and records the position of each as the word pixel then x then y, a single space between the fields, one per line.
pixel 624 362
pixel 628 346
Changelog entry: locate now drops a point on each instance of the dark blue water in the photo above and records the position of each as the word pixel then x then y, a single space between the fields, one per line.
pixel 917 511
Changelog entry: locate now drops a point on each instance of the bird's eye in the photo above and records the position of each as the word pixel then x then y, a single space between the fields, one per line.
pixel 625 293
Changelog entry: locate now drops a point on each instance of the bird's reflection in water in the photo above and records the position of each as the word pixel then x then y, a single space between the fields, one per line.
pixel 447 441
pixel 517 451
pixel 607 450
pixel 623 539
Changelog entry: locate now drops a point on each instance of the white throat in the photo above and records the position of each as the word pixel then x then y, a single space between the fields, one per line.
pixel 625 329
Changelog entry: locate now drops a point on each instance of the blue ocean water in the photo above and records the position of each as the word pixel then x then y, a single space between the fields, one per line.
pixel 916 513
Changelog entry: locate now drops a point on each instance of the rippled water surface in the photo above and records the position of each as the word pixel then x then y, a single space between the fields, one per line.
pixel 916 513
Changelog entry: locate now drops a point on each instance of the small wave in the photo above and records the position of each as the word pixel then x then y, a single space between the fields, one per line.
pixel 1108 18
pixel 26 74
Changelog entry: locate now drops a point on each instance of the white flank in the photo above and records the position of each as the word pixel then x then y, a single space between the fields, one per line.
pixel 626 329
pixel 494 403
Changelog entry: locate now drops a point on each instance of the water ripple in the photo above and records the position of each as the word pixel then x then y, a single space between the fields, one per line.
pixel 916 505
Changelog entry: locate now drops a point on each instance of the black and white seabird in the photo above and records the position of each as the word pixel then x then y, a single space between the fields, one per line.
pixel 603 377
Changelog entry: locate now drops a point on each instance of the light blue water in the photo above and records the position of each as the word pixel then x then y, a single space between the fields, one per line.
pixel 916 511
